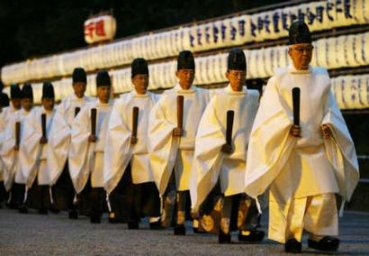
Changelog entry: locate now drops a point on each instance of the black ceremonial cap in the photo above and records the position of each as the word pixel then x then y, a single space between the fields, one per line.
pixel 236 60
pixel 185 60
pixel 79 75
pixel 27 91
pixel 15 92
pixel 48 90
pixel 139 66
pixel 299 33
pixel 103 78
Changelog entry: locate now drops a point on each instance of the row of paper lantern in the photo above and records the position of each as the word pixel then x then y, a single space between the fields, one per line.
pixel 261 62
pixel 351 92
pixel 227 32
pixel 330 53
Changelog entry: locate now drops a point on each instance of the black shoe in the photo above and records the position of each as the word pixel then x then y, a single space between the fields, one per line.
pixel 156 225
pixel 255 236
pixel 73 214
pixel 292 246
pixel 12 205
pixel 224 238
pixel 132 224
pixel 23 209
pixel 327 243
pixel 43 211
pixel 95 219
pixel 54 209
pixel 197 231
pixel 179 230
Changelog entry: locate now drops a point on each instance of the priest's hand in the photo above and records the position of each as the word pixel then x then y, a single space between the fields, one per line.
pixel 92 138
pixel 326 131
pixel 43 140
pixel 295 131
pixel 227 149
pixel 178 132
pixel 134 140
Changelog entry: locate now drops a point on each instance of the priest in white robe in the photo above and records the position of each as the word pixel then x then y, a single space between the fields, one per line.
pixel 221 159
pixel 12 138
pixel 32 152
pixel 59 141
pixel 172 144
pixel 4 102
pixel 86 154
pixel 303 164
pixel 6 115
pixel 128 176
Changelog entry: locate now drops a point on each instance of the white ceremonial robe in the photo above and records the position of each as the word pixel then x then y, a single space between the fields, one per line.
pixel 10 156
pixel 5 115
pixel 294 168
pixel 168 152
pixel 87 159
pixel 118 150
pixel 210 164
pixel 32 154
pixel 59 138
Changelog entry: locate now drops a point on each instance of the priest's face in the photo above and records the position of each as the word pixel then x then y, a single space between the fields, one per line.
pixel 103 93
pixel 141 82
pixel 27 104
pixel 185 78
pixel 48 103
pixel 79 89
pixel 236 79
pixel 16 103
pixel 301 55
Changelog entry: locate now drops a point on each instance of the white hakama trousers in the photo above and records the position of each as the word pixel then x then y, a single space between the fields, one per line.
pixel 317 215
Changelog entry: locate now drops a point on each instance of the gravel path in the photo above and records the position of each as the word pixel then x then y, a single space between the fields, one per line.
pixel 55 234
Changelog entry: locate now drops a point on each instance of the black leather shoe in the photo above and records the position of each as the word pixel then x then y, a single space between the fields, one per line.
pixel 327 243
pixel 132 225
pixel 198 231
pixel 292 246
pixel 23 209
pixel 156 225
pixel 95 219
pixel 179 230
pixel 43 211
pixel 255 236
pixel 54 209
pixel 224 238
pixel 73 214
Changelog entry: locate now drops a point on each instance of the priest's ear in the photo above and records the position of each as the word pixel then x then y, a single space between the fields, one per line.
pixel 227 74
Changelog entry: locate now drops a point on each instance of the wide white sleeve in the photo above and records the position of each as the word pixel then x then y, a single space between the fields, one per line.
pixel 80 149
pixel 207 157
pixel 270 143
pixel 118 151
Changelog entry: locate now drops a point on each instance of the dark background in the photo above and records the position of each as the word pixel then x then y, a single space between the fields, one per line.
pixel 31 28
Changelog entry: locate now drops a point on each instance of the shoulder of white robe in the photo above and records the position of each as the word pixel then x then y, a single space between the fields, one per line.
pixel 280 71
pixel 320 71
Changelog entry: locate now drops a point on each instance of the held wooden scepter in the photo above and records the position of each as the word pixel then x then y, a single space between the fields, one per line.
pixel 17 134
pixel 43 125
pixel 76 111
pixel 135 111
pixel 296 106
pixel 93 121
pixel 180 100
pixel 229 129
